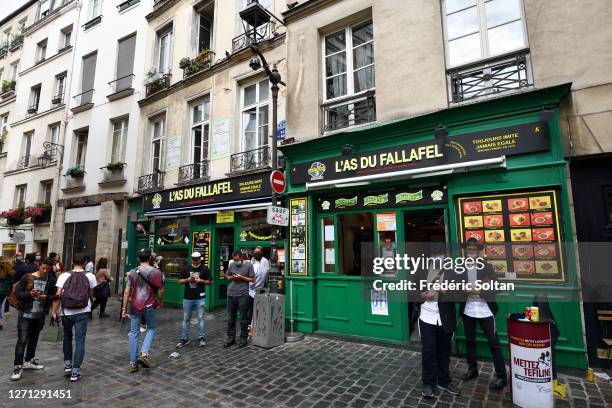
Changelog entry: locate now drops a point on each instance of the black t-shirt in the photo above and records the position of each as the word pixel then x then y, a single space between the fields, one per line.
pixel 193 291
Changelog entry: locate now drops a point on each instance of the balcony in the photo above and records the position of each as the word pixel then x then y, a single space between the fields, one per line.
pixel 150 182
pixel 57 100
pixel 489 77
pixel 33 109
pixel 203 61
pixel 93 22
pixel 113 175
pixel 74 180
pixel 4 51
pixel 16 42
pixel 83 101
pixel 122 87
pixel 127 4
pixel 250 160
pixel 27 162
pixel 156 85
pixel 348 111
pixel 193 173
pixel 8 88
pixel 263 32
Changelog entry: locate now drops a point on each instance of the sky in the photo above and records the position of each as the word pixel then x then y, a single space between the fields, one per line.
pixel 7 6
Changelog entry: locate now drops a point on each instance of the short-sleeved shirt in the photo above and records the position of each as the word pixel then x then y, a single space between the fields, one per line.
pixel 261 277
pixel 37 309
pixel 239 287
pixel 142 295
pixel 61 281
pixel 195 291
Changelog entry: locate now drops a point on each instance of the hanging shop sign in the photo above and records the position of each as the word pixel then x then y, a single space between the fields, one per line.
pixel 521 233
pixel 298 236
pixel 277 216
pixel 201 244
pixel 211 194
pixel 507 141
pixel 392 198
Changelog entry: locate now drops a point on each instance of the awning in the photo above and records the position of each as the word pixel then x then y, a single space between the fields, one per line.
pixel 246 204
pixel 411 173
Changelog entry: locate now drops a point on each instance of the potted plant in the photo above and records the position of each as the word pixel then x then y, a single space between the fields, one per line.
pixel 117 166
pixel 14 216
pixel 202 61
pixel 75 172
pixel 39 213
pixel 8 85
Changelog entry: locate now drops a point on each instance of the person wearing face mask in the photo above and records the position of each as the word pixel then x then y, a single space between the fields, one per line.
pixel 480 308
pixel 239 274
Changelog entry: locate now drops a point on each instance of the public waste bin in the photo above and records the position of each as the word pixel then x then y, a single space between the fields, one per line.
pixel 268 320
pixel 531 370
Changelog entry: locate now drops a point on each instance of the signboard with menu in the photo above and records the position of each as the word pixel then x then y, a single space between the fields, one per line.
pixel 201 244
pixel 298 236
pixel 521 233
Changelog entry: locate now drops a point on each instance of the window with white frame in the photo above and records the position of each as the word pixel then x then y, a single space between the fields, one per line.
pixel 204 17
pixel 60 87
pixel 255 104
pixel 20 195
pixel 66 37
pixel 200 128
pixel 22 23
pixel 14 69
pixel 6 37
pixel 3 130
pixel 164 50
pixel 119 139
pixel 480 29
pixel 95 9
pixel 44 7
pixel 26 150
pixel 41 51
pixel 349 76
pixel 34 99
pixel 158 129
pixel 80 149
pixel 54 130
pixel 46 191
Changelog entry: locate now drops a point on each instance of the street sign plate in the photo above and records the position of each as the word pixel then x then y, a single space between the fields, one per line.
pixel 278 216
pixel 277 181
pixel 18 237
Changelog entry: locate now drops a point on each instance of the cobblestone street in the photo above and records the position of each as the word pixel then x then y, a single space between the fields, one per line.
pixel 317 372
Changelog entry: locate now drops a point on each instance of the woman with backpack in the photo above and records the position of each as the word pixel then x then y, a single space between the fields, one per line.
pixel 102 290
pixel 6 283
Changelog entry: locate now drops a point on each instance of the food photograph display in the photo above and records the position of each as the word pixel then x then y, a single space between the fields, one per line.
pixel 520 232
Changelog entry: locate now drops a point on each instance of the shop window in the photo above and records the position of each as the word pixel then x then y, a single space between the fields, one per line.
pixel 354 230
pixel 173 231
pixel 80 237
pixel 255 228
pixel 202 219
pixel 173 261
pixel 329 249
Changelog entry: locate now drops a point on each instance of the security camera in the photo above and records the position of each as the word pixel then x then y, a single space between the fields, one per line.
pixel 255 64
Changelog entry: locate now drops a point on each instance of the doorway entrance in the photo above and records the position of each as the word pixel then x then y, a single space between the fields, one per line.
pixel 424 231
pixel 224 246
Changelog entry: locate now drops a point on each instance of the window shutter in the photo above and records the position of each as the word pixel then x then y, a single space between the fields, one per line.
pixel 89 75
pixel 125 62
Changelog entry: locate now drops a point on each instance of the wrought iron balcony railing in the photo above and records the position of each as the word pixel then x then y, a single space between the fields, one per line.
pixel 490 77
pixel 262 33
pixel 58 99
pixel 349 111
pixel 250 160
pixel 151 182
pixel 122 84
pixel 26 162
pixel 158 84
pixel 84 98
pixel 193 172
pixel 127 4
pixel 33 109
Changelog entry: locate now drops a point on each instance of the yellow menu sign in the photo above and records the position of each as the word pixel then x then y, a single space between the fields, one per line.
pixel 225 217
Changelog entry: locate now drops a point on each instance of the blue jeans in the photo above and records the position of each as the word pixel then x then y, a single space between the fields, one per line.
pixel 79 322
pixel 134 335
pixel 188 307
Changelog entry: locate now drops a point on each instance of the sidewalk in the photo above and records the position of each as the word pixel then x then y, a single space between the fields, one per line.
pixel 317 372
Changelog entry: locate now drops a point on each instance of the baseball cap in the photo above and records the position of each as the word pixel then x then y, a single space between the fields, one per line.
pixel 196 254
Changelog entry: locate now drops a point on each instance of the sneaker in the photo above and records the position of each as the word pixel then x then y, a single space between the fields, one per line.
pixel 76 374
pixel 16 376
pixel 32 365
pixel 201 342
pixel 498 384
pixel 133 368
pixel 143 360
pixel 143 328
pixel 451 389
pixel 67 368
pixel 182 343
pixel 428 391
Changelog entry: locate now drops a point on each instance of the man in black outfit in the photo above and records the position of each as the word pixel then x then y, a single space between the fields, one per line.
pixel 437 323
pixel 240 273
pixel 480 308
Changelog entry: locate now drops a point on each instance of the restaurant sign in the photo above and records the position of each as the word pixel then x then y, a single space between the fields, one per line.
pixel 210 194
pixel 487 144
pixel 399 197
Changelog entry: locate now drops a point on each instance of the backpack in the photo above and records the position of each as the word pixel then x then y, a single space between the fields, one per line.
pixel 12 299
pixel 76 291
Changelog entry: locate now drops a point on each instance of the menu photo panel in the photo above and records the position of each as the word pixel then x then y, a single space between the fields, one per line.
pixel 521 233
pixel 298 236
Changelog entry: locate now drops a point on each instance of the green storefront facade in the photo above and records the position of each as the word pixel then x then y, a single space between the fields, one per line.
pixel 405 182
pixel 212 217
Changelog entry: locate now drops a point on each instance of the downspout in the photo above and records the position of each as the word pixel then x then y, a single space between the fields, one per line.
pixel 62 141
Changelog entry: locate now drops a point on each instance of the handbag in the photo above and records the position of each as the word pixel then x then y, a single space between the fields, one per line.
pixel 54 332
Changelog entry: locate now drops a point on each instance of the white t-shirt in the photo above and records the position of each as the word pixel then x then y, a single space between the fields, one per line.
pixel 475 306
pixel 89 267
pixel 61 281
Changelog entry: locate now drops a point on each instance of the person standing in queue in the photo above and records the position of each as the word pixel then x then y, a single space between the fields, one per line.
pixel 195 278
pixel 480 308
pixel 437 323
pixel 239 274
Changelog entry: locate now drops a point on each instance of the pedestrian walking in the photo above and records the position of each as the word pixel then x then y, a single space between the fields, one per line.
pixel 35 293
pixel 480 308
pixel 74 291
pixel 102 291
pixel 195 278
pixel 6 284
pixel 143 294
pixel 239 274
